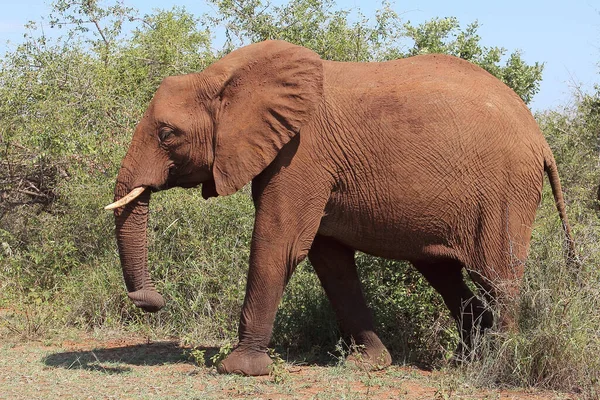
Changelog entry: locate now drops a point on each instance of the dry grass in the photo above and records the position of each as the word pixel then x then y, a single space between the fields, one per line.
pixel 113 366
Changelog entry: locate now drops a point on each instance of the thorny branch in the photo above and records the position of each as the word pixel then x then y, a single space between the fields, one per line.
pixel 24 180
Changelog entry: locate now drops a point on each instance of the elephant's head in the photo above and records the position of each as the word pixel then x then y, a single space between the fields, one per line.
pixel 218 128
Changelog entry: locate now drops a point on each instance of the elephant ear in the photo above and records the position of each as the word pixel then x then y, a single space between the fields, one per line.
pixel 270 91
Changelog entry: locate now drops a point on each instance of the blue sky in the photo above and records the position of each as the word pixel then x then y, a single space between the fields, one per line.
pixel 565 35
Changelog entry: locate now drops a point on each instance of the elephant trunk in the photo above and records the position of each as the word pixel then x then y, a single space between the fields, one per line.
pixel 131 222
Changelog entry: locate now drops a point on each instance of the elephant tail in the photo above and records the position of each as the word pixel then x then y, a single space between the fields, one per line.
pixel 552 171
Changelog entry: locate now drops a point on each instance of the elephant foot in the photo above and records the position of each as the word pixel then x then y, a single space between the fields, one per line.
pixel 372 357
pixel 245 362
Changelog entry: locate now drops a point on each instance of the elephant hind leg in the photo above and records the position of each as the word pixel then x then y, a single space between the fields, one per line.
pixel 470 314
pixel 335 266
pixel 501 291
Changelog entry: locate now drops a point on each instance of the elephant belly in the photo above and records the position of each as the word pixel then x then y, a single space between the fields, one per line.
pixel 394 233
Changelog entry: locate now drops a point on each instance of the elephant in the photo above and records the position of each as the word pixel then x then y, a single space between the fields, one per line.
pixel 428 159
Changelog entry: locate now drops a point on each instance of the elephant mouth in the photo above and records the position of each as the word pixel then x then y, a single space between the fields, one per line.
pixel 188 185
pixel 208 190
pixel 191 180
pixel 187 180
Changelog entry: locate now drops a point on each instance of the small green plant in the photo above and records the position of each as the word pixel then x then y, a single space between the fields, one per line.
pixel 197 355
pixel 277 370
pixel 357 352
pixel 354 351
pixel 224 351
pixel 194 353
pixel 340 353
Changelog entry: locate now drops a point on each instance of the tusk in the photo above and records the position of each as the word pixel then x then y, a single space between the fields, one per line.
pixel 126 199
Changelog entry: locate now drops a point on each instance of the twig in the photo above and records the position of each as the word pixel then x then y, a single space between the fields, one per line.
pixel 100 32
pixel 30 193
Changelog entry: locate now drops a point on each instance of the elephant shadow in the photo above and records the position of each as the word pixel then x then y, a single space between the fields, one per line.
pixel 116 360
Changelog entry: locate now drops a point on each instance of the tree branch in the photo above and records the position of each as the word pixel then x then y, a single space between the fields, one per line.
pixel 100 32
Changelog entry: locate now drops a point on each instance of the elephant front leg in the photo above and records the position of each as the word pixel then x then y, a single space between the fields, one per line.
pixel 277 248
pixel 335 266
pixel 267 277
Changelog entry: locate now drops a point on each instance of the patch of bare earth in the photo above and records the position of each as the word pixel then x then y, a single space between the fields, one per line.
pixel 126 367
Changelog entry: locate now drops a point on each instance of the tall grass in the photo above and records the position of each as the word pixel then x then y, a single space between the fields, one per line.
pixel 557 340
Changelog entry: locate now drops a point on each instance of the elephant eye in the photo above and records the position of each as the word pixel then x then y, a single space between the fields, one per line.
pixel 164 133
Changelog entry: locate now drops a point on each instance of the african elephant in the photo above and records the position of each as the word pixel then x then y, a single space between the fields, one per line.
pixel 428 159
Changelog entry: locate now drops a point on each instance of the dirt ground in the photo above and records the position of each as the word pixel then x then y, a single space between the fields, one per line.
pixel 126 367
